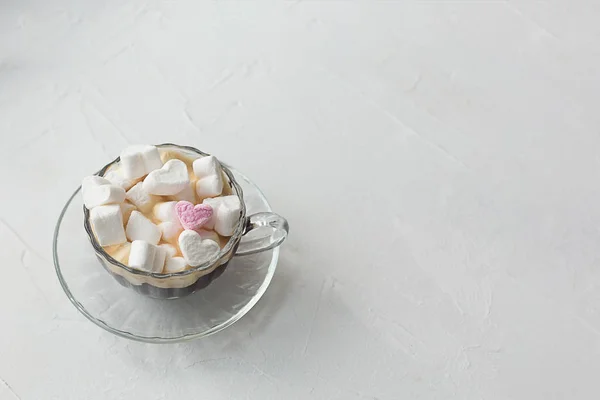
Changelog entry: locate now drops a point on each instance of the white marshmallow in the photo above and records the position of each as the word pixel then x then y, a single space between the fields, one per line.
pixel 170 250
pixel 141 228
pixel 228 217
pixel 107 224
pixel 210 178
pixel 126 209
pixel 174 264
pixel 170 227
pixel 195 250
pixel 211 235
pixel 209 186
pixel 97 191
pixel 172 178
pixel 214 203
pixel 160 255
pixel 206 166
pixel 231 201
pixel 102 195
pixel 93 180
pixel 226 214
pixel 122 253
pixel 143 255
pixel 132 162
pixel 170 230
pixel 139 160
pixel 142 199
pixel 152 159
pixel 187 194
pixel 115 176
pixel 165 211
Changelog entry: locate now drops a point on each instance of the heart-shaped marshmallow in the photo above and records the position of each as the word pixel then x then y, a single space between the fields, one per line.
pixel 193 216
pixel 195 250
pixel 172 178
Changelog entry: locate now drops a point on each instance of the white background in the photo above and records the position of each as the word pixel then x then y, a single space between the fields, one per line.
pixel 437 162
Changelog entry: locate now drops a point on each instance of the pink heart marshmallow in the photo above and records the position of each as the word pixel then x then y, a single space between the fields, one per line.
pixel 193 216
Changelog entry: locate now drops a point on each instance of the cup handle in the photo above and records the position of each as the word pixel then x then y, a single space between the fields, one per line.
pixel 279 231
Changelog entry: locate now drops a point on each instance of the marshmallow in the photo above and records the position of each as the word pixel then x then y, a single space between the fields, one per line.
pixel 97 191
pixel 165 211
pixel 209 186
pixel 174 264
pixel 132 162
pixel 187 194
pixel 143 255
pixel 193 216
pixel 107 224
pixel 104 194
pixel 160 255
pixel 141 228
pixel 170 250
pixel 226 214
pixel 210 178
pixel 172 178
pixel 90 182
pixel 93 180
pixel 195 250
pixel 170 227
pixel 126 209
pixel 121 254
pixel 211 235
pixel 139 160
pixel 142 199
pixel 206 166
pixel 115 176
pixel 214 203
pixel 170 230
pixel 152 159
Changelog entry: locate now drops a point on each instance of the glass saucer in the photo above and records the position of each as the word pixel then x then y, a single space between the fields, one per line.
pixel 128 314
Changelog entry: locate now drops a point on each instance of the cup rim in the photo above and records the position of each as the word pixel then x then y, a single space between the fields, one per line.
pixel 237 234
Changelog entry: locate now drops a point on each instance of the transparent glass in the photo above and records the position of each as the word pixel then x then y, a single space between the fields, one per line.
pixel 257 239
pixel 112 305
pixel 183 283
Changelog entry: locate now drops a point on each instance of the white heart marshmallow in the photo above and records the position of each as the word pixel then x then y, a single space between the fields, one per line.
pixel 172 178
pixel 195 250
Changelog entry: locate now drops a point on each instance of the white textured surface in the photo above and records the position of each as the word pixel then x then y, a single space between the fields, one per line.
pixel 437 162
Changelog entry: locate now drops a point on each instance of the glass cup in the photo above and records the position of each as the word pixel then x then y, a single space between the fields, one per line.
pixel 253 234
